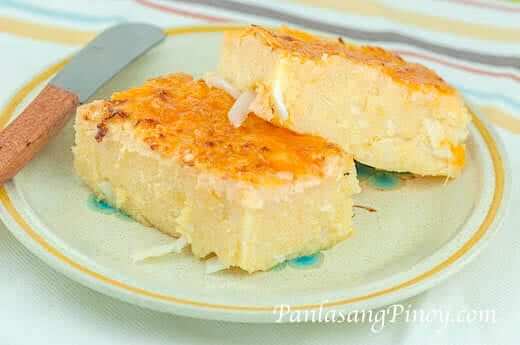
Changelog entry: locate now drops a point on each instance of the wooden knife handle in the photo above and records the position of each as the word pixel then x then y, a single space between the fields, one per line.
pixel 30 131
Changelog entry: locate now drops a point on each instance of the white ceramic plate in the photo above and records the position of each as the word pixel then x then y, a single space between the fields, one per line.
pixel 424 229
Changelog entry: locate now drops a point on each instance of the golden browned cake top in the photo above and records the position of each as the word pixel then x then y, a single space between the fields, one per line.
pixel 310 46
pixel 178 116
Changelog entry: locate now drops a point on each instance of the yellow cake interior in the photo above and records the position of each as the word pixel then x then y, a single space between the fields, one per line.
pixel 389 113
pixel 256 195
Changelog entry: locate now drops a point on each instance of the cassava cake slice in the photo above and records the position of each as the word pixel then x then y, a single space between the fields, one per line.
pixel 256 195
pixel 390 114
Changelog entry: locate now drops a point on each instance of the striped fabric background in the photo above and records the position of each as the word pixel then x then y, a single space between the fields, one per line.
pixel 474 44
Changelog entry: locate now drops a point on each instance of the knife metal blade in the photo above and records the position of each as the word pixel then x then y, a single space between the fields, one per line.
pixel 105 56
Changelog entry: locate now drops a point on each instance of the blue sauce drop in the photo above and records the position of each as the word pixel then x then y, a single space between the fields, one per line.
pixel 102 206
pixel 385 180
pixel 307 261
pixel 380 179
pixel 364 171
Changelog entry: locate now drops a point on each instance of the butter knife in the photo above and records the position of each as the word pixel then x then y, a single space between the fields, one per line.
pixel 87 71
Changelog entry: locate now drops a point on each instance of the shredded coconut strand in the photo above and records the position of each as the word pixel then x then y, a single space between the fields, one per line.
pixel 214 265
pixel 214 80
pixel 238 112
pixel 278 101
pixel 161 250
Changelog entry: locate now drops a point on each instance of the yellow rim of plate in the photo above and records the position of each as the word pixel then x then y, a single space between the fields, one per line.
pixel 9 109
